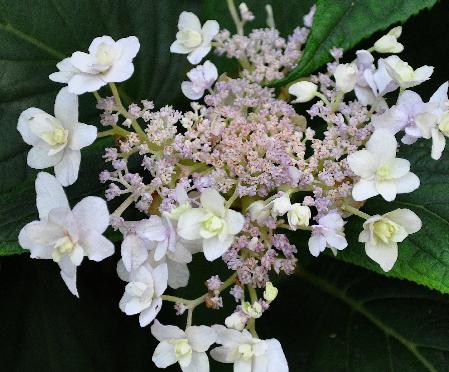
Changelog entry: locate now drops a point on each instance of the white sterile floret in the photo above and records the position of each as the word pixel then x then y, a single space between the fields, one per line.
pixel 404 74
pixel 298 216
pixel 435 122
pixel 248 353
pixel 201 78
pixel 372 83
pixel 236 321
pixel 156 238
pixel 192 39
pixel 63 235
pixel 379 170
pixel 143 292
pixel 303 90
pixel 345 77
pixel 108 61
pixel 389 42
pixel 56 140
pixel 188 348
pixel 280 206
pixel 259 212
pixel 328 233
pixel 381 235
pixel 215 224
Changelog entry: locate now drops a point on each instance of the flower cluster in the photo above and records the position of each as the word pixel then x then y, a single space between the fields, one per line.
pixel 229 177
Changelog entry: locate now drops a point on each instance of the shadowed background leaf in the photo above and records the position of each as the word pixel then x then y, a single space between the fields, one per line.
pixel 44 328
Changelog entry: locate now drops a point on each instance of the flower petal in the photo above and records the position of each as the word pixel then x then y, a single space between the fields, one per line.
pixel 133 252
pixel 96 246
pixel 164 355
pixel 364 190
pixel 38 157
pixel 275 356
pixel 198 54
pixel 209 30
pixel 214 248
pixel 67 169
pixel 363 163
pixel 382 144
pixel 410 182
pixel 23 125
pixel 438 144
pixel 407 219
pixel 387 189
pixel 66 108
pixel 49 194
pixel 188 90
pixel 317 244
pixel 198 363
pixel 189 21
pixel 234 221
pixel 82 135
pixel 213 201
pixel 68 274
pixel 92 212
pixel 130 47
pixel 178 274
pixel 149 314
pixel 385 255
pixel 166 332
pixel 189 223
pixel 200 337
pixel 82 83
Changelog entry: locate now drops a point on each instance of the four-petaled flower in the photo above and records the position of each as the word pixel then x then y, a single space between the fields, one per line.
pixel 215 224
pixel 192 39
pixel 379 170
pixel 188 348
pixel 201 77
pixel 56 140
pixel 248 353
pixel 108 61
pixel 328 233
pixel 381 235
pixel 143 291
pixel 63 235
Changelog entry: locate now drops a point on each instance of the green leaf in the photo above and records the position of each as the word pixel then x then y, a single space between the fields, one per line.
pixel 348 319
pixel 344 23
pixel 31 47
pixel 423 256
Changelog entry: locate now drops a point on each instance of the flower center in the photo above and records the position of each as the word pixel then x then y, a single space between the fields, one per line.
pixel 246 351
pixel 105 54
pixel 213 224
pixel 63 246
pixel 182 348
pixel 383 172
pixel 385 229
pixel 190 38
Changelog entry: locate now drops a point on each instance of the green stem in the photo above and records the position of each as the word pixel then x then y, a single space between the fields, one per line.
pixel 235 17
pixel 358 307
pixel 355 211
pixel 125 113
pixel 115 131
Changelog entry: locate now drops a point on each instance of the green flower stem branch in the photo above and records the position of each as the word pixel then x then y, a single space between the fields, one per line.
pixel 192 304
